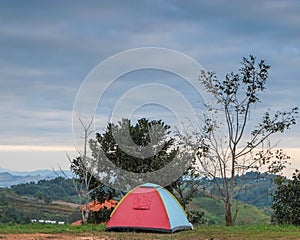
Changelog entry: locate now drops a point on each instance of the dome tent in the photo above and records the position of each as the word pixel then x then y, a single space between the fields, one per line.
pixel 148 207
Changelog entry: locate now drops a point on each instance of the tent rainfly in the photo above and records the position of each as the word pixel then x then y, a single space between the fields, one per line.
pixel 148 207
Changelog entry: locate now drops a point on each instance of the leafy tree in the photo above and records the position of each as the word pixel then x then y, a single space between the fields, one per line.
pixel 128 147
pixel 286 200
pixel 226 146
pixel 140 135
pixel 183 188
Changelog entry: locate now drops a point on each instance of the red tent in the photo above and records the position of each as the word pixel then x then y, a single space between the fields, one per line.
pixel 148 207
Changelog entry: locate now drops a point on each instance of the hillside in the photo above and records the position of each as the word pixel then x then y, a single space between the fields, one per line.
pixel 256 189
pixel 214 211
pixel 57 198
pixel 253 188
pixel 21 209
pixel 42 200
pixel 48 190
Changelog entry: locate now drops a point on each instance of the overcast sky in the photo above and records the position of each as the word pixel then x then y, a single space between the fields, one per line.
pixel 47 48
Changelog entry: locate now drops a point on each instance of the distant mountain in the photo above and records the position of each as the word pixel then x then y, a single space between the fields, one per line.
pixel 4 170
pixel 44 172
pixel 7 179
pixel 10 177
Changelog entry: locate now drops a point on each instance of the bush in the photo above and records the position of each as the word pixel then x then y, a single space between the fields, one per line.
pixel 100 216
pixel 286 200
pixel 196 217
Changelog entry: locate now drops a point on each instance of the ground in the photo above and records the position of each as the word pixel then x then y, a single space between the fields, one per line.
pixel 96 232
pixel 60 236
pixel 40 236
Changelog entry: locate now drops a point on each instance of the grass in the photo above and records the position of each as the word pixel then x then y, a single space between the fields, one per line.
pixel 201 232
pixel 49 228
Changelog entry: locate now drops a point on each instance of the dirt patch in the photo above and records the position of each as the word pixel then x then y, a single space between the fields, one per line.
pixel 40 236
pixel 68 204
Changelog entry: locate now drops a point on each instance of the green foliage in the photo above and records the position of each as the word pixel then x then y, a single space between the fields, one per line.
pixel 236 87
pixel 140 135
pixel 196 218
pixel 48 190
pixel 286 202
pixel 100 216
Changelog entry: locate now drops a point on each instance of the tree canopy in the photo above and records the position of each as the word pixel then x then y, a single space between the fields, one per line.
pixel 286 200
pixel 130 156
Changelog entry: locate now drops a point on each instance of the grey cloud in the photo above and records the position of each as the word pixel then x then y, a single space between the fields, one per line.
pixel 48 47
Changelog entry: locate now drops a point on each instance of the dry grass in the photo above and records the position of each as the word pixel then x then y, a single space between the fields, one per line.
pixel 37 231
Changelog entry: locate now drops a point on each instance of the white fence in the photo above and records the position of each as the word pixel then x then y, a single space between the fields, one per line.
pixel 47 221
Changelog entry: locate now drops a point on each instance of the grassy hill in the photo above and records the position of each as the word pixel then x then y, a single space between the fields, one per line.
pixel 213 209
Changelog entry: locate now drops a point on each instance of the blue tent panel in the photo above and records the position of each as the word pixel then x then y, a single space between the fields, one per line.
pixel 176 214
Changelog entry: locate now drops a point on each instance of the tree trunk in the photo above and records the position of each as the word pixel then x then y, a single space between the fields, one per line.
pixel 228 215
pixel 85 214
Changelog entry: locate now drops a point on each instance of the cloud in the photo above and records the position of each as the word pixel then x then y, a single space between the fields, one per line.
pixel 32 127
pixel 48 48
pixel 31 148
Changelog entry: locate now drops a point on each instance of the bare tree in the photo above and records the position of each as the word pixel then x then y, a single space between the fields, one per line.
pixel 83 168
pixel 227 145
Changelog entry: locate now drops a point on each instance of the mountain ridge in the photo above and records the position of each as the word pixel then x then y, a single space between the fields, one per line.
pixel 11 177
